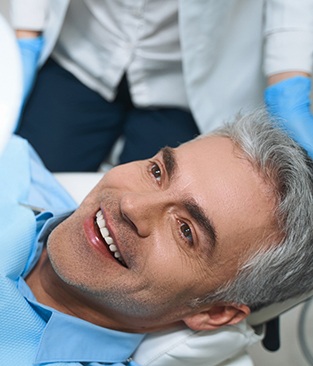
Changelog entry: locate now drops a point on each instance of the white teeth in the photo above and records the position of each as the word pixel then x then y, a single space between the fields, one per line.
pixel 108 240
pixel 104 231
pixel 101 222
pixel 106 236
pixel 113 248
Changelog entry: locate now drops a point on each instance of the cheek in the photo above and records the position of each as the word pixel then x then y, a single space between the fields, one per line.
pixel 66 249
pixel 175 269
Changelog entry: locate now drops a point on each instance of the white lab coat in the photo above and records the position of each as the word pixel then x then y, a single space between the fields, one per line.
pixel 228 47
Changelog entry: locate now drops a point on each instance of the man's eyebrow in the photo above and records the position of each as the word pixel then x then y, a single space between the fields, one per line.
pixel 206 224
pixel 194 210
pixel 169 160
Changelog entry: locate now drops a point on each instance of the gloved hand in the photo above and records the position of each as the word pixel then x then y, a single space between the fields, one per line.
pixel 30 49
pixel 289 100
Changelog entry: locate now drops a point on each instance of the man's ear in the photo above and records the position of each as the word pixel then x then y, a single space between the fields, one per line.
pixel 217 316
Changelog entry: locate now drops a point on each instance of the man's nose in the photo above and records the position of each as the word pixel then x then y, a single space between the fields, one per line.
pixel 143 211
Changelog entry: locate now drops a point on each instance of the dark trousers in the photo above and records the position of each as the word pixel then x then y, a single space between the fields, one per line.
pixel 74 129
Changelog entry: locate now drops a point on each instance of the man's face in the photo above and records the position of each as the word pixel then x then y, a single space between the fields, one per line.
pixel 182 223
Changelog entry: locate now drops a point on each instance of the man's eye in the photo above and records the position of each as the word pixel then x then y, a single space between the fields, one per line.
pixel 156 172
pixel 186 232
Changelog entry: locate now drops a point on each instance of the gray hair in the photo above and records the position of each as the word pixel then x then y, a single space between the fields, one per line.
pixel 284 268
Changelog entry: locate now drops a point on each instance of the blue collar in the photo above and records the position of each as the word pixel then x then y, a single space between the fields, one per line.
pixel 70 339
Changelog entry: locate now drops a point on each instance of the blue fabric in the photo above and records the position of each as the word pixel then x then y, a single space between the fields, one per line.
pixel 95 343
pixel 31 333
pixel 289 101
pixel 30 50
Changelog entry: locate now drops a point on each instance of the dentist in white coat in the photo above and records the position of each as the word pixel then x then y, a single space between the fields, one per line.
pixel 207 58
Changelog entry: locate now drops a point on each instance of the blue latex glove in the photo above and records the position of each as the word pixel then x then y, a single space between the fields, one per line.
pixel 289 101
pixel 30 49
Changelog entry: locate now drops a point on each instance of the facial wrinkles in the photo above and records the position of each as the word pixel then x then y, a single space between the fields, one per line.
pixel 227 192
pixel 186 200
pixel 129 297
pixel 135 249
pixel 152 285
pixel 131 245
pixel 146 298
pixel 124 232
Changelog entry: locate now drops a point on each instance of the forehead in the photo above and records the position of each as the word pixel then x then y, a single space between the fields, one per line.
pixel 235 197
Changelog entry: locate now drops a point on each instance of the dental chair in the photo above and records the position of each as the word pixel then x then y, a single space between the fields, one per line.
pixel 181 346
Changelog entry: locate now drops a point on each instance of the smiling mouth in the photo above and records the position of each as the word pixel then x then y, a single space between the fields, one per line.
pixel 100 221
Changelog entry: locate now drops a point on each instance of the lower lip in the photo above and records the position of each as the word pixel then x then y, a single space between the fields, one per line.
pixel 94 239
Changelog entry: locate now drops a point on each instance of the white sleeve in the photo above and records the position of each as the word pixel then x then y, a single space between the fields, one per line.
pixel 29 14
pixel 288 36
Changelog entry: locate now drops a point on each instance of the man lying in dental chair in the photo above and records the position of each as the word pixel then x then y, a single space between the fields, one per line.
pixel 196 237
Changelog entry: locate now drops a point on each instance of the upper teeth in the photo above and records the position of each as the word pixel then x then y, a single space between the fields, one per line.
pixel 106 235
